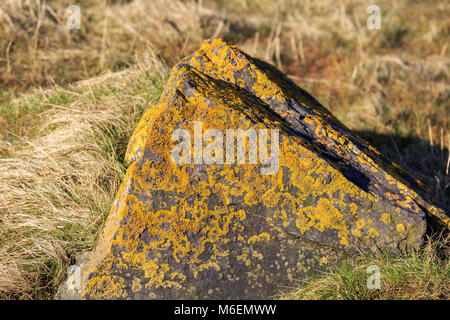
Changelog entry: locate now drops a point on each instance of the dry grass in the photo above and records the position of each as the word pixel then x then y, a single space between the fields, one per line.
pixel 38 49
pixel 61 147
pixel 56 188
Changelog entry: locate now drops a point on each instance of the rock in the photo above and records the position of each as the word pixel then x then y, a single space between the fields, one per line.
pixel 217 228
pixel 71 288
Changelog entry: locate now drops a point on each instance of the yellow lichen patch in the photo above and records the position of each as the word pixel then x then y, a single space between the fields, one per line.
pixel 400 227
pixel 322 217
pixel 271 197
pixel 323 260
pixel 356 233
pixel 244 258
pixel 360 223
pixel 372 233
pixel 259 237
pixel 353 208
pixel 106 287
pixel 257 255
pixel 386 218
pixel 137 140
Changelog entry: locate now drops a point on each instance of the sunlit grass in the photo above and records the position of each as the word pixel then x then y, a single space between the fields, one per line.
pixel 417 275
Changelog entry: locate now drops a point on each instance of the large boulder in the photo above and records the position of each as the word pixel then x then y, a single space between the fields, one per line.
pixel 192 221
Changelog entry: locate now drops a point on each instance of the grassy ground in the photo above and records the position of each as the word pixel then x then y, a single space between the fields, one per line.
pixel 417 275
pixel 62 142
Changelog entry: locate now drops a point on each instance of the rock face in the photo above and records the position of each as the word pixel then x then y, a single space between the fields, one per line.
pixel 216 228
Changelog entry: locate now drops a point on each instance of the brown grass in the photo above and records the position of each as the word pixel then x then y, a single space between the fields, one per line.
pixel 38 49
pixel 56 188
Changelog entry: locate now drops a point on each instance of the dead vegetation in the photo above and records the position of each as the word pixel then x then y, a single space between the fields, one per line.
pixel 56 188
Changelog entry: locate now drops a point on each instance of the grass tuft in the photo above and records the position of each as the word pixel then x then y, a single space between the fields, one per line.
pixel 418 275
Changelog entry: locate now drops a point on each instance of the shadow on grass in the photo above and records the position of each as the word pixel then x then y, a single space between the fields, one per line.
pixel 425 161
